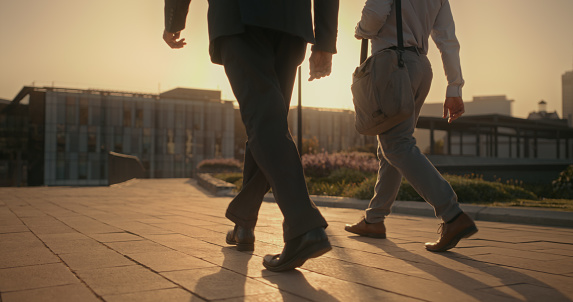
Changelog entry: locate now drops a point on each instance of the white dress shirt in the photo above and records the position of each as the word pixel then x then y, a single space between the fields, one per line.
pixel 420 19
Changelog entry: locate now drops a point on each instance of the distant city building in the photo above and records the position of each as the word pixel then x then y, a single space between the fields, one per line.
pixel 567 86
pixel 333 129
pixel 542 113
pixel 71 131
pixel 13 144
pixel 488 130
pixel 480 105
pixel 330 130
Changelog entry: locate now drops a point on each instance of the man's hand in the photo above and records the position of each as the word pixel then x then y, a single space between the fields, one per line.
pixel 172 39
pixel 453 108
pixel 320 64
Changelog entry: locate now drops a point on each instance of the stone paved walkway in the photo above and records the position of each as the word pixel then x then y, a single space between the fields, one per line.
pixel 163 240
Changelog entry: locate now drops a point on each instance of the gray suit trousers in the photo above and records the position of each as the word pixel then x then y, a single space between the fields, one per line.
pixel 261 66
pixel 399 156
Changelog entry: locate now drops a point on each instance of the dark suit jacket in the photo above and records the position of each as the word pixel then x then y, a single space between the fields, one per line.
pixel 228 17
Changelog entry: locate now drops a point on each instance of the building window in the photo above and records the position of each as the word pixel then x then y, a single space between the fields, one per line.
pixel 61 111
pixel 92 139
pixel 95 112
pixel 126 114
pixel 146 141
pixel 83 139
pixel 84 112
pixel 219 145
pixel 179 116
pixel 73 139
pixel 135 142
pixel 61 138
pixel 189 142
pixel 170 142
pixel 83 166
pixel 95 169
pixel 71 110
pixel 118 140
pixel 139 117
pixel 61 172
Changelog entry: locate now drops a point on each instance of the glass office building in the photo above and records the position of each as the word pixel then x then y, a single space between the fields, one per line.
pixel 72 131
pixel 13 144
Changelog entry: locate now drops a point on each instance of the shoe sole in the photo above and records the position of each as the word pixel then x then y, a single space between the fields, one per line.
pixel 371 235
pixel 467 233
pixel 241 247
pixel 316 250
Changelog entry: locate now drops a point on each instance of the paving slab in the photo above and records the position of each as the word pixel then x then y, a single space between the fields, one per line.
pixel 319 287
pixel 64 293
pixel 218 283
pixel 115 237
pixel 24 249
pixel 161 295
pixel 123 279
pixel 169 260
pixel 164 240
pixel 93 259
pixel 35 276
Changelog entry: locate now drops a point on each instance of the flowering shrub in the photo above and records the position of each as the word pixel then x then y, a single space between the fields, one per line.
pixel 563 185
pixel 323 164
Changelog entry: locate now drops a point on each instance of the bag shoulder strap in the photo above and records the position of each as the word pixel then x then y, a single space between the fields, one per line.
pixel 399 24
pixel 363 51
pixel 400 34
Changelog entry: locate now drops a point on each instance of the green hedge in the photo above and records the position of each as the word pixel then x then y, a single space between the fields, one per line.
pixel 357 184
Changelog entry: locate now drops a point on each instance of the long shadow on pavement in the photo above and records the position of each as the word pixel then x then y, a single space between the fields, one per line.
pixel 530 288
pixel 293 286
pixel 460 280
pixel 221 282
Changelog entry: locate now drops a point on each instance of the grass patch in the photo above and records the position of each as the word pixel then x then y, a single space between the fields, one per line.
pixel 235 178
pixel 470 189
pixel 553 204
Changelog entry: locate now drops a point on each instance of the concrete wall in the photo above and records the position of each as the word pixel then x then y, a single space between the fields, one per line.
pixel 123 167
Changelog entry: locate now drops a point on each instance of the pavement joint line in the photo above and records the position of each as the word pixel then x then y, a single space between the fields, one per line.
pixel 162 276
pixel 372 286
pixel 36 288
pixel 517 267
pixel 62 261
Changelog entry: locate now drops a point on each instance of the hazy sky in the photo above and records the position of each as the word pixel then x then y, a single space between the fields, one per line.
pixel 518 48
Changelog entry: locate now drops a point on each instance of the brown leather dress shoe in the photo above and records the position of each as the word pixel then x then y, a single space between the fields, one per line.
pixel 362 228
pixel 452 232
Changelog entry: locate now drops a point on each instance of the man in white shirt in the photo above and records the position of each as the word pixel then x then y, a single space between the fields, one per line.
pixel 397 151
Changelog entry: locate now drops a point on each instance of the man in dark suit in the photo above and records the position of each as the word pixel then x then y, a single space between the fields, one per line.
pixel 260 43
